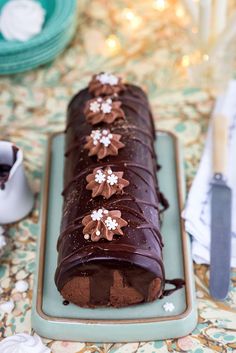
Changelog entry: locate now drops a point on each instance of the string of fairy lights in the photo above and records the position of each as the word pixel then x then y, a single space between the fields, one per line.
pixel 135 21
pixel 207 20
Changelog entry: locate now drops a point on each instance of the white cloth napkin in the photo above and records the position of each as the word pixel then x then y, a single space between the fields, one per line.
pixel 197 209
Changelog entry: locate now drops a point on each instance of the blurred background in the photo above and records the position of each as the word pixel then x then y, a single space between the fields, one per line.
pixel 149 43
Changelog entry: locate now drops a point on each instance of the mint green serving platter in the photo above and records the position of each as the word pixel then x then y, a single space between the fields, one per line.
pixel 144 322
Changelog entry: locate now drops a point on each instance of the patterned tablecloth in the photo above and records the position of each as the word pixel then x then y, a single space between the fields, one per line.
pixel 147 50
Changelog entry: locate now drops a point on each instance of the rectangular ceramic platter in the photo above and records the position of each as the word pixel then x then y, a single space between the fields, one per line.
pixel 52 319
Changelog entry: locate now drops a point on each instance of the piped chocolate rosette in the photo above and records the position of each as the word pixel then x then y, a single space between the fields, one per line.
pixel 110 246
pixel 105 84
pixel 102 223
pixel 105 110
pixel 102 143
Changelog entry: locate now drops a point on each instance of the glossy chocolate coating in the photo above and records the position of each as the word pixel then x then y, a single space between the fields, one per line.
pixel 137 254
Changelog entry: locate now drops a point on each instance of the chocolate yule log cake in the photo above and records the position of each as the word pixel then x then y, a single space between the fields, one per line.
pixel 110 246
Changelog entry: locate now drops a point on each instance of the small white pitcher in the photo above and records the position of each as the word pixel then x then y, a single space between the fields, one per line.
pixel 16 197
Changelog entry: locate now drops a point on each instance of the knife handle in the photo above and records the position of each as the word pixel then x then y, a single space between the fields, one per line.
pixel 220 143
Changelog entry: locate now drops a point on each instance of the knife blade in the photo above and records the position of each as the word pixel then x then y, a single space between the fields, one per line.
pixel 221 213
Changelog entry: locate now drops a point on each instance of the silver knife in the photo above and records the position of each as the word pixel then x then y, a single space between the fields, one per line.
pixel 221 213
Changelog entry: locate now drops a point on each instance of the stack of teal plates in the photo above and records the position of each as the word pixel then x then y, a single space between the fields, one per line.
pixel 58 29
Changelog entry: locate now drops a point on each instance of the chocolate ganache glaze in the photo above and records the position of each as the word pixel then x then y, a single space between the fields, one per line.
pixel 125 267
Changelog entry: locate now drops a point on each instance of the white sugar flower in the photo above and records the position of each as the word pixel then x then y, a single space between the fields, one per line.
pixel 94 107
pixel 106 108
pixel 106 78
pixel 103 78
pixel 97 215
pixel 112 179
pixel 96 135
pixel 100 177
pixel 105 140
pixel 111 223
pixel 169 307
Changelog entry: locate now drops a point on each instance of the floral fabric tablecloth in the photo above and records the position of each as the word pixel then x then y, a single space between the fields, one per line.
pixel 148 51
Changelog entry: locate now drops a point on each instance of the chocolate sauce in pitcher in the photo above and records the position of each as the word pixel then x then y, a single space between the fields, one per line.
pixel 4 174
pixel 6 168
